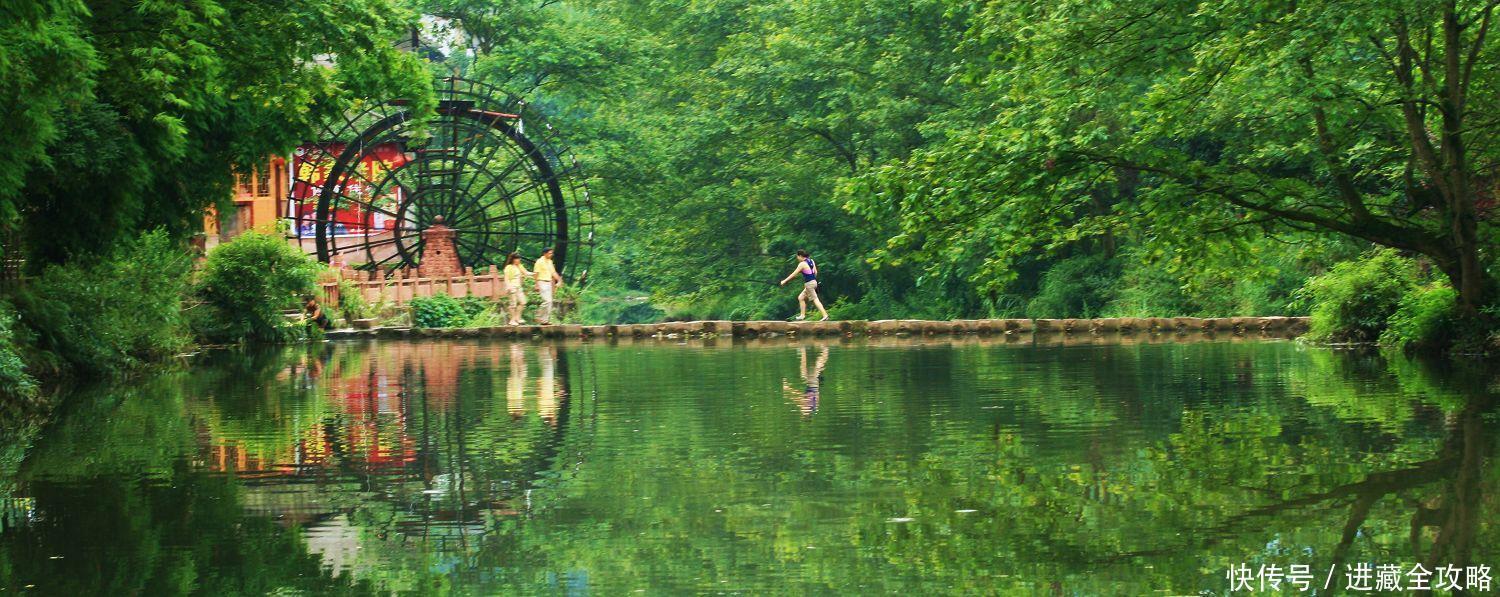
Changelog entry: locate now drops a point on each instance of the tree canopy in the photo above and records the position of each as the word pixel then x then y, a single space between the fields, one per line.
pixel 1181 121
pixel 131 116
pixel 956 160
pixel 1046 159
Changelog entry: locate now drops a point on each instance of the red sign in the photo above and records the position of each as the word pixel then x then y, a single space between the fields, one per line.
pixel 357 209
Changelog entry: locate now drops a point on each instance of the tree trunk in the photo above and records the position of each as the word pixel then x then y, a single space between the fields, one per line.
pixel 1466 273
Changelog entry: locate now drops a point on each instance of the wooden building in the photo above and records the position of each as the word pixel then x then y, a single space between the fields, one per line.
pixel 259 203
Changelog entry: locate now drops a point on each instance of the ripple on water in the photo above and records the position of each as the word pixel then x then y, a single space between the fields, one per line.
pixel 940 467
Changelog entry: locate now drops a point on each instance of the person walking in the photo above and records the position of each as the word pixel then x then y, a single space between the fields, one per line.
pixel 546 280
pixel 809 270
pixel 515 275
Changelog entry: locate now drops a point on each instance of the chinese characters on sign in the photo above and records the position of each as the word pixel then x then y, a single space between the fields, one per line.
pixel 1358 577
pixel 367 197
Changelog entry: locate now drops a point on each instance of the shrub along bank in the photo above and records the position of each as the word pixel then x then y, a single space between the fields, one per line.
pixel 1393 300
pixel 246 284
pixel 143 303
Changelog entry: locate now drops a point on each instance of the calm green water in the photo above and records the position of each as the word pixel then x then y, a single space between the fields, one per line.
pixel 481 467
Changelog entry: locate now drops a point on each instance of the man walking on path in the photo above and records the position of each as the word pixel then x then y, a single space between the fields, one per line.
pixel 546 279
pixel 809 270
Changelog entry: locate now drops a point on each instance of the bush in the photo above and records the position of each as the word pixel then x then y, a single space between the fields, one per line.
pixel 1075 287
pixel 247 283
pixel 473 306
pixel 109 315
pixel 352 303
pixel 1424 319
pixel 607 305
pixel 1353 301
pixel 15 381
pixel 1148 289
pixel 438 311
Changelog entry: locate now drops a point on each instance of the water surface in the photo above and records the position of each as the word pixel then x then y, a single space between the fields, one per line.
pixel 482 467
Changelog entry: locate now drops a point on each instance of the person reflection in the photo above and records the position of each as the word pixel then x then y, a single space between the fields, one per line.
pixel 515 385
pixel 548 397
pixel 807 398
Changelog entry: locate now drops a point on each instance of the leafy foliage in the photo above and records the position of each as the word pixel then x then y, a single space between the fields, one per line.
pixel 111 314
pixel 612 305
pixel 44 66
pixel 129 116
pixel 443 311
pixel 930 162
pixel 718 132
pixel 247 283
pixel 15 382
pixel 438 311
pixel 1076 287
pixel 1185 128
pixel 352 303
pixel 1425 318
pixel 1353 301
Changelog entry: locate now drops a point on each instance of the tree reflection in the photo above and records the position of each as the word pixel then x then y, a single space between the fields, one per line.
pixel 527 468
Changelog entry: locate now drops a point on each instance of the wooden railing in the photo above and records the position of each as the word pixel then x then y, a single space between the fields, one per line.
pixel 407 284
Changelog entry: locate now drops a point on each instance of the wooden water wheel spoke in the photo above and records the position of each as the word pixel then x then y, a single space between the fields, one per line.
pixel 463 176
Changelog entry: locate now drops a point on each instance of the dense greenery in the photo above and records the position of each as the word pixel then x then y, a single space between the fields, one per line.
pixel 246 285
pixel 126 119
pixel 1427 318
pixel 938 159
pixel 109 314
pixel 143 303
pixel 125 116
pixel 1352 302
pixel 1172 124
pixel 1025 158
pixel 15 382
pixel 443 311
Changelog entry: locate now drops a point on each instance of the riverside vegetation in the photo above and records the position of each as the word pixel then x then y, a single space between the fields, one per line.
pixel 1025 159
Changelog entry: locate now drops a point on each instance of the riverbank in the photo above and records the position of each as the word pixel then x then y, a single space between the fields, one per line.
pixel 1274 327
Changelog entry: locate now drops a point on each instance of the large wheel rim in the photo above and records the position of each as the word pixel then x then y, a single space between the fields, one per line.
pixel 364 195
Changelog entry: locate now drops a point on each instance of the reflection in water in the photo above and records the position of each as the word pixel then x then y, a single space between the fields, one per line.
pixel 807 398
pixel 395 422
pixel 954 467
pixel 549 390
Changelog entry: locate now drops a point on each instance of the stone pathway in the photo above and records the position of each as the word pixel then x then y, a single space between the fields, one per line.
pixel 1274 326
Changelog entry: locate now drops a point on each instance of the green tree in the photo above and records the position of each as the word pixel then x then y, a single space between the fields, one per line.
pixel 43 67
pixel 133 114
pixel 108 314
pixel 716 132
pixel 1172 121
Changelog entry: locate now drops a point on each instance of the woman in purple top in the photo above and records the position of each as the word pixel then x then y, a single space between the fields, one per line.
pixel 809 270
